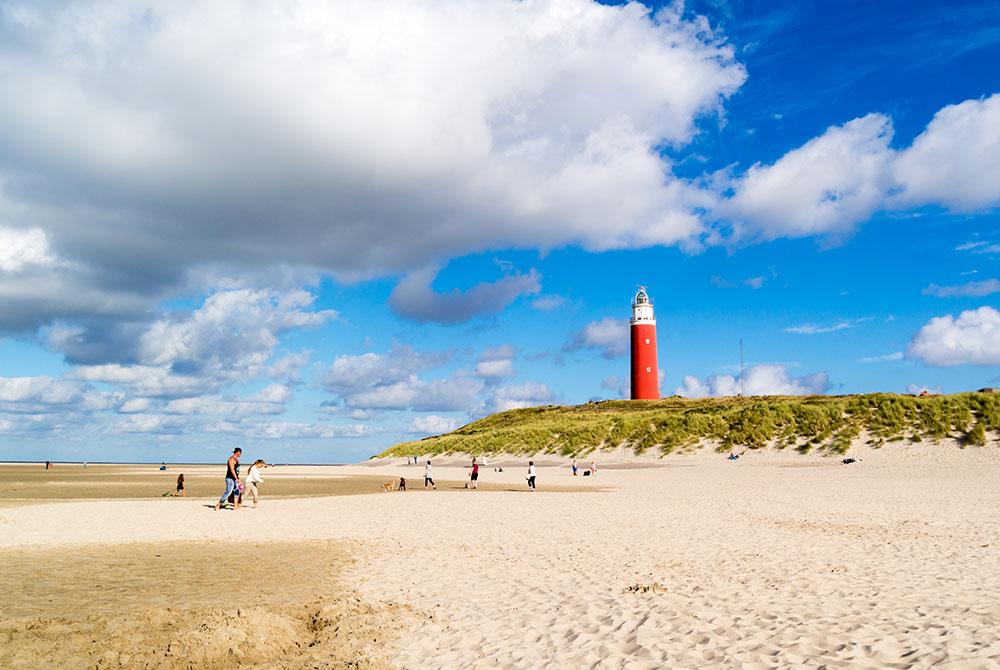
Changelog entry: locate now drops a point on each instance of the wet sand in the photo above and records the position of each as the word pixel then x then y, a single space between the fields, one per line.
pixel 29 483
pixel 207 605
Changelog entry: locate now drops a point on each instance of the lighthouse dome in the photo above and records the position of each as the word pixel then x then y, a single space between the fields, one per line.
pixel 641 297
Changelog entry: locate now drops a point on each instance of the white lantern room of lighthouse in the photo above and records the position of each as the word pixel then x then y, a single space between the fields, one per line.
pixel 642 308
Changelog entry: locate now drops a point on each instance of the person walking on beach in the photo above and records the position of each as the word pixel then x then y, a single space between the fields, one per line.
pixel 232 480
pixel 531 476
pixel 254 478
pixel 574 467
pixel 593 467
pixel 475 475
pixel 429 477
pixel 180 486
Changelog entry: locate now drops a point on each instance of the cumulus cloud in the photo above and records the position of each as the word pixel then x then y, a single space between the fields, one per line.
pixel 825 187
pixel 41 394
pixel 503 367
pixel 496 362
pixel 348 373
pixel 229 338
pixel 955 162
pixel 975 289
pixel 517 396
pixel 763 379
pixel 609 336
pixel 413 297
pixel 971 338
pixel 350 139
pixel 389 381
pixel 432 424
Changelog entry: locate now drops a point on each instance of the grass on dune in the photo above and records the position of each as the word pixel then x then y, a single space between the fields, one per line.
pixel 827 423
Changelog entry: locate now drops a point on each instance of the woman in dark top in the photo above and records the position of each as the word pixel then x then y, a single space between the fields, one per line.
pixel 232 480
pixel 180 486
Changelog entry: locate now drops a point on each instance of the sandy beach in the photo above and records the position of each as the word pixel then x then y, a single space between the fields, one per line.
pixel 775 560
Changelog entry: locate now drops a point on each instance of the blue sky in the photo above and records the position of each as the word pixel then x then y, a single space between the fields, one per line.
pixel 398 220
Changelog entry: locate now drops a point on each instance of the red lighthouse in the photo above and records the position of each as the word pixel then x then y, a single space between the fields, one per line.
pixel 645 375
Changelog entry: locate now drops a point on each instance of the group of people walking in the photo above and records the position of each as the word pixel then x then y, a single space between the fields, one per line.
pixel 235 488
pixel 474 476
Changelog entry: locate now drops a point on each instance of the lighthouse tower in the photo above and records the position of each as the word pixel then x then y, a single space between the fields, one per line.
pixel 645 375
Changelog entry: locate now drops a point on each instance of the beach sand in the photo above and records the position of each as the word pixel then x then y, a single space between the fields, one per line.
pixel 775 560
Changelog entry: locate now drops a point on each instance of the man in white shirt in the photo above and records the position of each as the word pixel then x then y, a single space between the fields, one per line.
pixel 429 477
pixel 531 476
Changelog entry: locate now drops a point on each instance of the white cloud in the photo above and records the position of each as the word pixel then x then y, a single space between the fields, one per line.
pixel 974 289
pixel 609 335
pixel 20 249
pixel 503 367
pixel 270 400
pixel 884 358
pixel 43 394
pixel 432 424
pixel 825 187
pixel 231 336
pixel 547 303
pixel 764 379
pixel 289 367
pixel 755 282
pixel 141 141
pixel 445 395
pixel 276 430
pixel 351 373
pixel 814 329
pixel 517 396
pixel 135 406
pixel 151 423
pixel 955 162
pixel 413 297
pixel 973 338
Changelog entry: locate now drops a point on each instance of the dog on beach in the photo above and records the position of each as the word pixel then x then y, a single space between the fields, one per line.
pixel 387 486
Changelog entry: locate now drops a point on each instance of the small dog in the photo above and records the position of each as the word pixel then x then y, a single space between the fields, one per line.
pixel 402 484
pixel 387 487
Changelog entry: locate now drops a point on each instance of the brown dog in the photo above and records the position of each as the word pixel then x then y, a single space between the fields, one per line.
pixel 387 486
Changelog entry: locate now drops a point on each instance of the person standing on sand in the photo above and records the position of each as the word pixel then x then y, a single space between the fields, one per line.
pixel 429 477
pixel 593 468
pixel 180 486
pixel 574 467
pixel 531 476
pixel 475 475
pixel 254 478
pixel 232 479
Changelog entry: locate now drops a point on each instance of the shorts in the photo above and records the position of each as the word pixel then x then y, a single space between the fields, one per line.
pixel 475 476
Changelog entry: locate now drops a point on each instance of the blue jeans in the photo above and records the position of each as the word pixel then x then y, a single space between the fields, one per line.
pixel 230 488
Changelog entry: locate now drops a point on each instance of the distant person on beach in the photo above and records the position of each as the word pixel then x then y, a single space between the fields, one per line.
pixel 232 480
pixel 593 467
pixel 574 467
pixel 531 476
pixel 429 476
pixel 254 478
pixel 180 486
pixel 48 465
pixel 474 477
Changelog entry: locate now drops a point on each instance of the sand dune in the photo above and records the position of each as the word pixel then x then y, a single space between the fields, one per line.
pixel 893 562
